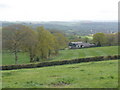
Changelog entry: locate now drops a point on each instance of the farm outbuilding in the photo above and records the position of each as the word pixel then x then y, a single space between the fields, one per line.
pixel 77 45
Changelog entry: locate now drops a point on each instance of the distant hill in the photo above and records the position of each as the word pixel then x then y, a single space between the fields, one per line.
pixel 73 27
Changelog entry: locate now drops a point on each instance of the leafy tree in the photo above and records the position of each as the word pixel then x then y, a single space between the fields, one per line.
pixel 111 39
pixel 99 39
pixel 86 40
pixel 29 43
pixel 117 39
pixel 46 43
pixel 60 40
pixel 12 39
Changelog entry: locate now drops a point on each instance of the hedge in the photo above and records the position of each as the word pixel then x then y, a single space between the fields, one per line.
pixel 52 63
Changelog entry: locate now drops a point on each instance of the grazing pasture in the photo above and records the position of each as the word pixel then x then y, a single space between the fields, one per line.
pixel 103 74
pixel 87 52
pixel 8 58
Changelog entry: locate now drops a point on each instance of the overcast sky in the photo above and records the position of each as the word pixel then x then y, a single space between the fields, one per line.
pixel 58 10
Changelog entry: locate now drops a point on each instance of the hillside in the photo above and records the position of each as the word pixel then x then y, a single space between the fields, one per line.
pixel 86 52
pixel 74 27
pixel 103 74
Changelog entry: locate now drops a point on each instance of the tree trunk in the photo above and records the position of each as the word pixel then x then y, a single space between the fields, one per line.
pixel 56 52
pixel 31 57
pixel 37 59
pixel 49 53
pixel 16 57
pixel 99 44
pixel 42 55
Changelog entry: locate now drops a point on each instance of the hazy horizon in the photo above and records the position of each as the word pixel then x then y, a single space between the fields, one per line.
pixel 65 21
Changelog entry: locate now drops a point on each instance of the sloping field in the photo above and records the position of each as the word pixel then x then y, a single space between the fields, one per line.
pixel 8 58
pixel 103 74
pixel 87 52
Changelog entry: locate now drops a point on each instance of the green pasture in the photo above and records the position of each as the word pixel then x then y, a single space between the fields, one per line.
pixel 102 74
pixel 8 58
pixel 86 52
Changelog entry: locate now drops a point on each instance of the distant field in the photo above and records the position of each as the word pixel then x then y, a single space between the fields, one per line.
pixel 8 58
pixel 90 37
pixel 103 74
pixel 87 52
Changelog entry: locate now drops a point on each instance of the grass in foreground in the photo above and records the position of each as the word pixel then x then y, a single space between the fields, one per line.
pixel 8 58
pixel 103 74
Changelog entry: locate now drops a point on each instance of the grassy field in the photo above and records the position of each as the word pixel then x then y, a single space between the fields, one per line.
pixel 90 37
pixel 103 74
pixel 8 58
pixel 86 52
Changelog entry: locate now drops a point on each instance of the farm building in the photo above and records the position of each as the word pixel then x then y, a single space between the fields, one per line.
pixel 77 45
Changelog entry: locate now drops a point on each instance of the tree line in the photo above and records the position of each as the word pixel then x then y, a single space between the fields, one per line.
pixel 99 39
pixel 39 43
pixel 103 39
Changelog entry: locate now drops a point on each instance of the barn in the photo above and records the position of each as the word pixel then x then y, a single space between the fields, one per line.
pixel 77 45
